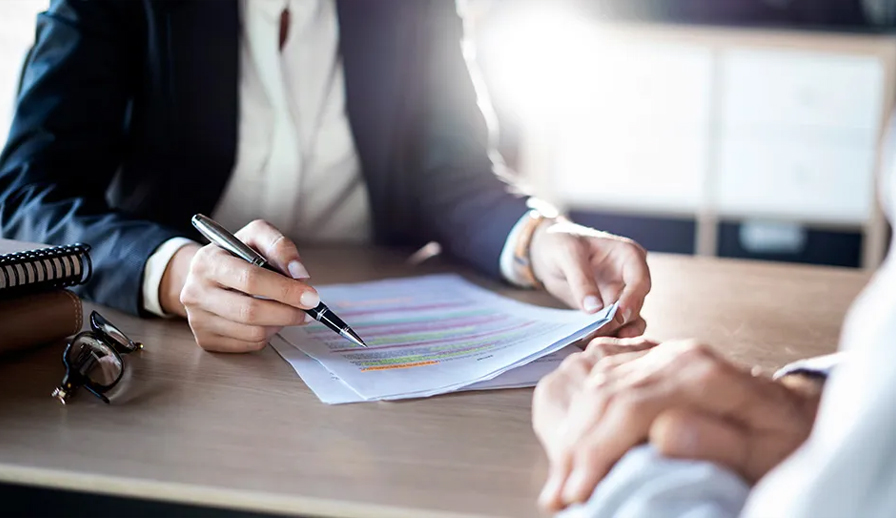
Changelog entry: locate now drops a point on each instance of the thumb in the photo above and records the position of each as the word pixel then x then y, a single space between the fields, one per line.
pixel 692 435
pixel 576 268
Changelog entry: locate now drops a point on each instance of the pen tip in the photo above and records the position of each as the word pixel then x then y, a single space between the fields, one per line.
pixel 352 336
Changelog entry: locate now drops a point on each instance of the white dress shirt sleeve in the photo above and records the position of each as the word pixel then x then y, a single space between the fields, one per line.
pixel 153 271
pixel 644 484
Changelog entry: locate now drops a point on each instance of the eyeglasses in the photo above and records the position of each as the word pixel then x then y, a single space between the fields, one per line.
pixel 93 360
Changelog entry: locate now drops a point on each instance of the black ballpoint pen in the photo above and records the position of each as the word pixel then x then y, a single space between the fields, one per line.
pixel 221 237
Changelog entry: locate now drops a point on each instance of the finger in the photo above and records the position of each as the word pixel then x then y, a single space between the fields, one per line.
pixel 578 365
pixel 550 499
pixel 633 329
pixel 576 268
pixel 624 425
pixel 275 247
pixel 556 387
pixel 240 308
pixel 686 434
pixel 636 276
pixel 602 368
pixel 214 325
pixel 233 273
pixel 559 288
pixel 551 398
pixel 608 346
pixel 680 374
pixel 226 344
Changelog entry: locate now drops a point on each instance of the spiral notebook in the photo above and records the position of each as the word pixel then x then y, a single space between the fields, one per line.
pixel 27 268
pixel 35 306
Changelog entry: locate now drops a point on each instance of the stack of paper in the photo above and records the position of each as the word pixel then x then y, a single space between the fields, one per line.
pixel 427 336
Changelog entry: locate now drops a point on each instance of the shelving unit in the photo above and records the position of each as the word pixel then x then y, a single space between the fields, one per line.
pixel 725 124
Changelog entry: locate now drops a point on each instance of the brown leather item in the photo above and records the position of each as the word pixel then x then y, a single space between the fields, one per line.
pixel 38 319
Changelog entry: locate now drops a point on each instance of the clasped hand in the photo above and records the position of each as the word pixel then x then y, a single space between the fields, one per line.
pixel 681 396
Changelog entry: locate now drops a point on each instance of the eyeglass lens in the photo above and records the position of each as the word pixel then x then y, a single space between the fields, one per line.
pixel 95 361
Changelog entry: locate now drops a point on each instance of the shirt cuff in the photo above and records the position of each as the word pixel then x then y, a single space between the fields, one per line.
pixel 507 270
pixel 153 271
pixel 820 366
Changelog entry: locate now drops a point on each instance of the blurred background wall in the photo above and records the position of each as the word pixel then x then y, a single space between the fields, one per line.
pixel 739 128
pixel 743 128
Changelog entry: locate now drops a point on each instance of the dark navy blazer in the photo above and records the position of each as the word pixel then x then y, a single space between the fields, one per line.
pixel 126 125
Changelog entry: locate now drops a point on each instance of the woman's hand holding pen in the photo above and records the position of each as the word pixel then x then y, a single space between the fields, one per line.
pixel 234 306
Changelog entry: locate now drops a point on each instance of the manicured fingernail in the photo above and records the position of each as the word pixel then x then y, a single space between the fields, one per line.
pixel 591 304
pixel 574 486
pixel 298 270
pixel 310 299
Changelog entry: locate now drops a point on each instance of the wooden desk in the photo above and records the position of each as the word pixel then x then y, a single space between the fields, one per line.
pixel 243 431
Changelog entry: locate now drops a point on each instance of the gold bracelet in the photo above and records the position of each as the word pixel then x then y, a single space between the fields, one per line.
pixel 522 257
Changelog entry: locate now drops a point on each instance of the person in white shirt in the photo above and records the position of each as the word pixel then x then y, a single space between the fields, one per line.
pixel 298 121
pixel 638 429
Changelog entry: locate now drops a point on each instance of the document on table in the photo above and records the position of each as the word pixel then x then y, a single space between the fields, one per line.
pixel 434 334
pixel 331 390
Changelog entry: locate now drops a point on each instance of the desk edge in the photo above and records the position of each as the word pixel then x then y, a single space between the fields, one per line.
pixel 207 496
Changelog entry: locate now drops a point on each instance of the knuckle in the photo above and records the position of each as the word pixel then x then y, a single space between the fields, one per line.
pixel 250 311
pixel 573 364
pixel 281 246
pixel 707 372
pixel 252 228
pixel 633 249
pixel 255 225
pixel 204 341
pixel 188 296
pixel 291 291
pixel 704 366
pixel 199 263
pixel 605 365
pixel 549 384
pixel 693 350
pixel 247 280
pixel 256 334
pixel 603 346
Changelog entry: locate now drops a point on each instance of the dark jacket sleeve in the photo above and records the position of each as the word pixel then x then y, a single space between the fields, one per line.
pixel 464 198
pixel 67 140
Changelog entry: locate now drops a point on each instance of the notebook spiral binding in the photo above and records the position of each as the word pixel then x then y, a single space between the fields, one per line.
pixel 44 269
